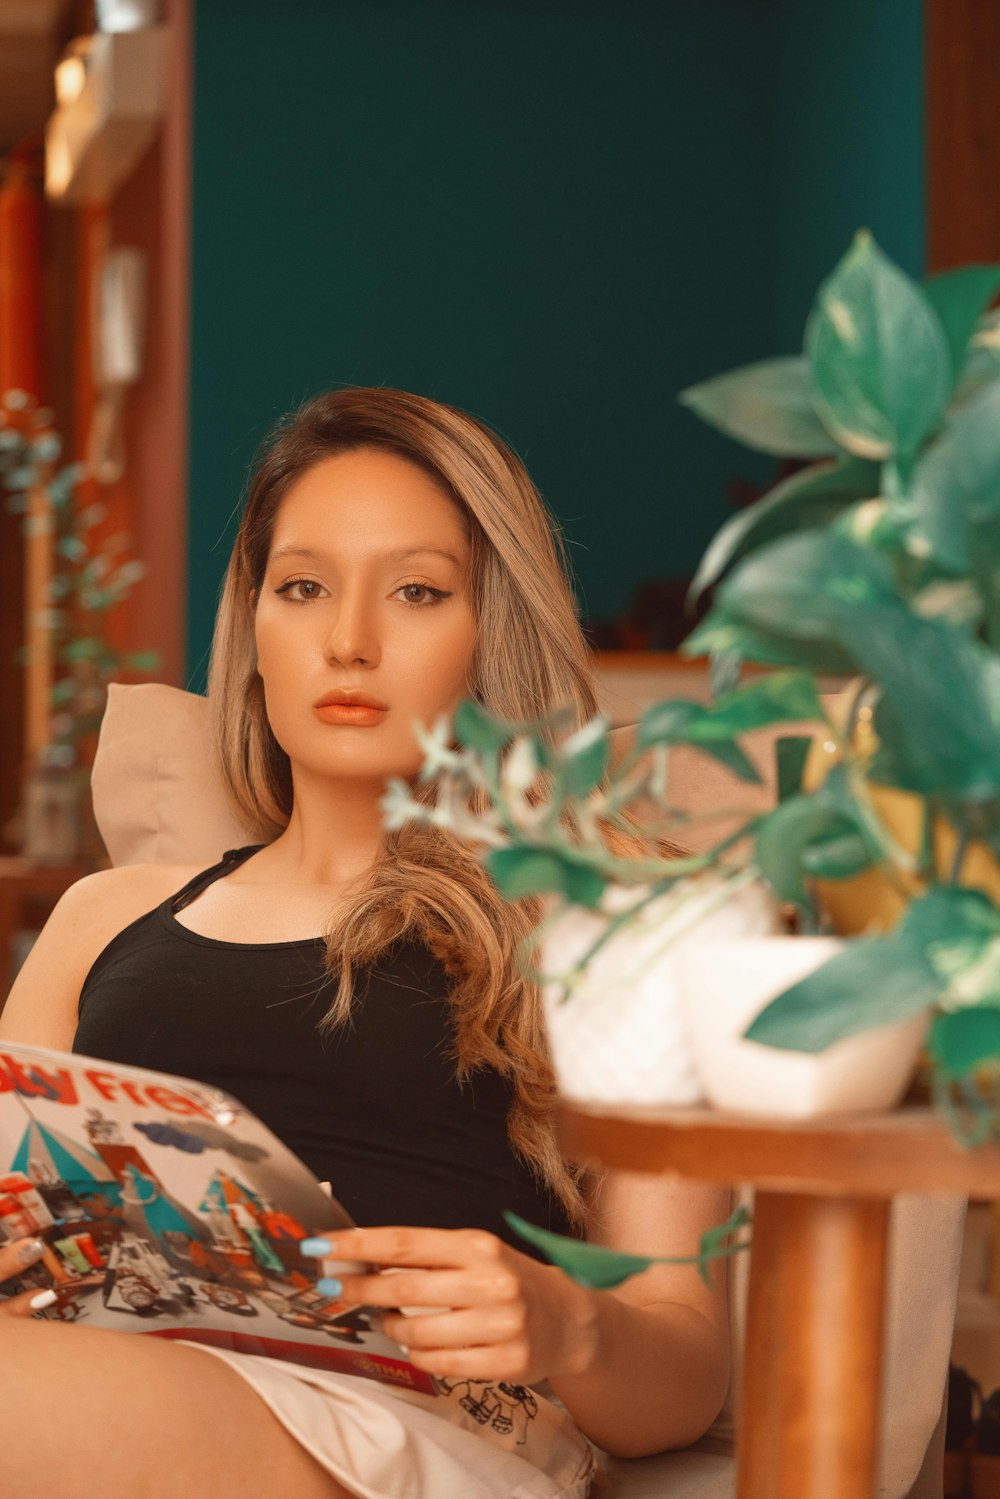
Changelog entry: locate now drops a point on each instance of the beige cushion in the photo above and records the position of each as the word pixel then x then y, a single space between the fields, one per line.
pixel 158 799
pixel 157 796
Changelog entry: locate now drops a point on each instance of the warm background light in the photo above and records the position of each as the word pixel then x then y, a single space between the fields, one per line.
pixel 71 75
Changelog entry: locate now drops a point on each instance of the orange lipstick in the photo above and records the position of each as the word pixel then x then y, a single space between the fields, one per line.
pixel 360 715
pixel 352 706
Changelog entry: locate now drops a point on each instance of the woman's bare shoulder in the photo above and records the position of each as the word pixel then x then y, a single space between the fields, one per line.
pixel 128 891
pixel 41 1007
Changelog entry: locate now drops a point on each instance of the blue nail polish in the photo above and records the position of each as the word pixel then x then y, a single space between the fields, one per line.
pixel 314 1248
pixel 329 1286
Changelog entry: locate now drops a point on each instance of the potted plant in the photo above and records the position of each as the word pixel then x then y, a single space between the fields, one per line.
pixel 86 579
pixel 878 561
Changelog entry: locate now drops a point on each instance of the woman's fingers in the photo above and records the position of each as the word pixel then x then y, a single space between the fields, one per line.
pixel 27 1303
pixel 18 1255
pixel 408 1246
pixel 14 1258
pixel 508 1361
pixel 425 1267
pixel 475 1327
pixel 426 1288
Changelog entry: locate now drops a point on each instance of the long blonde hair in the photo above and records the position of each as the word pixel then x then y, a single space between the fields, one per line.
pixel 530 656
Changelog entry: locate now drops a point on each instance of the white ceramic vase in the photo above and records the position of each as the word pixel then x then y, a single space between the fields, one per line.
pixel 622 1037
pixel 725 985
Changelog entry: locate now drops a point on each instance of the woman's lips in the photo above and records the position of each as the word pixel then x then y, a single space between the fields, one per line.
pixel 358 714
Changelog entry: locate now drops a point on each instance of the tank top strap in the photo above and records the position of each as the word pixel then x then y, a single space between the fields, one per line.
pixel 229 861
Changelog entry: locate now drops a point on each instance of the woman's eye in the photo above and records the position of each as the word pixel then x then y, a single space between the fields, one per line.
pixel 432 595
pixel 304 589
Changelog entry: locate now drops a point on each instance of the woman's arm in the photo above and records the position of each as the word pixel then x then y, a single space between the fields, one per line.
pixel 658 1366
pixel 41 1007
pixel 640 1369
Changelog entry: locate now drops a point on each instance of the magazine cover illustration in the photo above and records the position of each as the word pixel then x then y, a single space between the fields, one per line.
pixel 168 1208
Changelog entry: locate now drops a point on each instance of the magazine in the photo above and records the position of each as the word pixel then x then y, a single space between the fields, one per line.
pixel 167 1208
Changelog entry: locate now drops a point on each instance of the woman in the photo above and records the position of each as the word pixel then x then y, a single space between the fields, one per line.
pixel 393 557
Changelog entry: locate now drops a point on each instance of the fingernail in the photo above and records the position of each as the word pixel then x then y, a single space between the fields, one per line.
pixel 29 1251
pixel 405 1350
pixel 42 1300
pixel 315 1248
pixel 328 1285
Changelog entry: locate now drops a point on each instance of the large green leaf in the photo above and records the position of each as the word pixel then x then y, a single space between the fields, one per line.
pixel 958 930
pixel 668 721
pixel 824 590
pixel 955 494
pixel 784 835
pixel 602 1269
pixel 841 855
pixel 982 359
pixel 881 369
pixel 767 405
pixel 807 501
pixel 778 697
pixel 732 756
pixel 683 721
pixel 963 1039
pixel 583 758
pixel 589 1264
pixel 933 675
pixel 934 956
pixel 960 297
pixel 723 630
pixel 808 586
pixel 952 912
pixel 870 982
pixel 518 872
pixel 479 730
pixel 790 754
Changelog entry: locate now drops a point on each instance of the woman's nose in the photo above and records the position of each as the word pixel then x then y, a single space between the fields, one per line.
pixel 353 635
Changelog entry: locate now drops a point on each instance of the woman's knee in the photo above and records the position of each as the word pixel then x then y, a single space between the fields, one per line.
pixel 149 1419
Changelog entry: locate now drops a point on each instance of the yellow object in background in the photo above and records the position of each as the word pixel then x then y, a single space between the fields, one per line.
pixel 872 901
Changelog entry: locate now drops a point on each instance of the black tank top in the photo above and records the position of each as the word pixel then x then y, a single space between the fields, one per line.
pixel 374 1108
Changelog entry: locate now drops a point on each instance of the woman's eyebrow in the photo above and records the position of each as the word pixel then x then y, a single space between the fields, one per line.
pixel 402 554
pixel 399 555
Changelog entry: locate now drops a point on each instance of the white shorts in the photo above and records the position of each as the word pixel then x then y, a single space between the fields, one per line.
pixel 479 1441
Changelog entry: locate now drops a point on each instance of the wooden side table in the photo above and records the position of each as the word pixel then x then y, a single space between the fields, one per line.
pixel 811 1379
pixel 28 891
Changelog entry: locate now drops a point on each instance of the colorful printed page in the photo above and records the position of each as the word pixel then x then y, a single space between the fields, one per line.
pixel 169 1209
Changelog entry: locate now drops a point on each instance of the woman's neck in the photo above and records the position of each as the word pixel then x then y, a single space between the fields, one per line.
pixel 333 835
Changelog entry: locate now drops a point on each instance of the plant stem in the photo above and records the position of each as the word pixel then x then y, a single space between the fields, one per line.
pixel 962 848
pixel 925 863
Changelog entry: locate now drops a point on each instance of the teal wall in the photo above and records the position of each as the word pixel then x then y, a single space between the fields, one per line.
pixel 554 213
pixel 849 142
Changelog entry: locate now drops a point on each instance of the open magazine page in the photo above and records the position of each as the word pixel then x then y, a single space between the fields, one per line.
pixel 167 1208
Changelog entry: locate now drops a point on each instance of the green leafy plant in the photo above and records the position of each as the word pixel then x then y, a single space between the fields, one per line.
pixel 88 578
pixel 882 562
pixel 540 802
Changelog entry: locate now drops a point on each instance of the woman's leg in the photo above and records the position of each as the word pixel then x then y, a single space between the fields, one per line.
pixel 85 1411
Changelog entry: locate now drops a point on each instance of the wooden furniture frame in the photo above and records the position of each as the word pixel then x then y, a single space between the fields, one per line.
pixel 809 1421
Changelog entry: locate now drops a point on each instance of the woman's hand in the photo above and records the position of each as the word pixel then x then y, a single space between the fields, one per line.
pixel 14 1258
pixel 474 1307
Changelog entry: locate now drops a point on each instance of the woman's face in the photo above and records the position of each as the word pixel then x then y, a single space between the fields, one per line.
pixel 366 593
